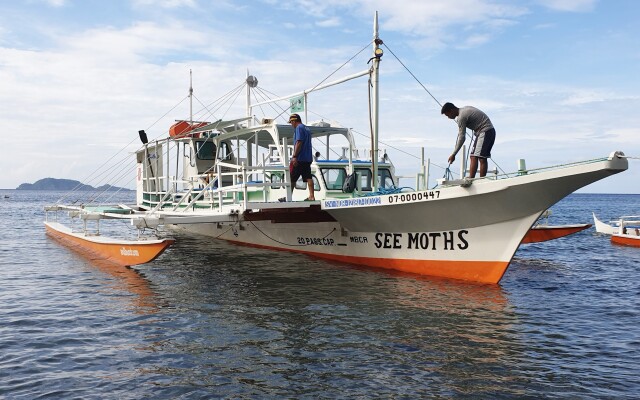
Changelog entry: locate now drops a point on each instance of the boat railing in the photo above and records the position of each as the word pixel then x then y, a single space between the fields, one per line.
pixel 548 168
pixel 219 190
pixel 494 175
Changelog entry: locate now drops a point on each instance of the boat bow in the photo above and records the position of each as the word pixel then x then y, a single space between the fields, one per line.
pixel 486 201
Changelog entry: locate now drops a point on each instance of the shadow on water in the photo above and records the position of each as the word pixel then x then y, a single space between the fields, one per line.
pixel 125 278
pixel 296 325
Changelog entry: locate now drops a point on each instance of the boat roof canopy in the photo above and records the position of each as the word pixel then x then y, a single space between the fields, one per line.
pixel 286 131
pixel 267 133
pixel 223 126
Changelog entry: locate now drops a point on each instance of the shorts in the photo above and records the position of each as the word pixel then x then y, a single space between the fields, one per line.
pixel 302 169
pixel 483 144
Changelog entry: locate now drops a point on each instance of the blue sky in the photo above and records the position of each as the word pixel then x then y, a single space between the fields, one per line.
pixel 558 78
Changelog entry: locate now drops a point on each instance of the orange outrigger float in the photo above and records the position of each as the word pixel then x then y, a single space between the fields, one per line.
pixel 121 252
pixel 542 233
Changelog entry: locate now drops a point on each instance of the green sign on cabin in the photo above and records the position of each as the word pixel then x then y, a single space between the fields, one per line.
pixel 297 104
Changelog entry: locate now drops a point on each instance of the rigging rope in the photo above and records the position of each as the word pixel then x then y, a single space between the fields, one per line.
pixel 411 73
pixel 90 178
pixel 384 191
pixel 288 244
pixel 237 91
pixel 432 96
pixel 331 74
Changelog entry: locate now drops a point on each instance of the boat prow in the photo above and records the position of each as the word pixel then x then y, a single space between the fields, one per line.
pixel 121 252
pixel 602 227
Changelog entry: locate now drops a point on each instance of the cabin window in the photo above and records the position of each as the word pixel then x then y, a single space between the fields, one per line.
pixel 385 180
pixel 225 151
pixel 333 177
pixel 275 177
pixel 300 184
pixel 363 179
pixel 205 150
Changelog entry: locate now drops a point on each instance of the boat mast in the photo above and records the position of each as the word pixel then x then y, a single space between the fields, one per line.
pixel 377 53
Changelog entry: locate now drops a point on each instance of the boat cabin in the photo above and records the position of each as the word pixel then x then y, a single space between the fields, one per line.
pixel 225 161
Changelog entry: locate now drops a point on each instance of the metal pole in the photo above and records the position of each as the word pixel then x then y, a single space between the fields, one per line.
pixel 375 82
pixel 287 176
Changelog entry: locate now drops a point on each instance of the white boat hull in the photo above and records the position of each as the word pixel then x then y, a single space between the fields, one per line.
pixel 474 254
pixel 463 233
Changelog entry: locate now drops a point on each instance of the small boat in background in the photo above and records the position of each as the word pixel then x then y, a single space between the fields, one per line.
pixel 624 231
pixel 614 225
pixel 628 238
pixel 542 232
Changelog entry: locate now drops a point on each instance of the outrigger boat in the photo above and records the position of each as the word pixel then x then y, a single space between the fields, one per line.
pixel 624 231
pixel 224 179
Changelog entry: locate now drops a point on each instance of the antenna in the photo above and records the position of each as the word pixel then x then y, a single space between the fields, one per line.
pixel 190 98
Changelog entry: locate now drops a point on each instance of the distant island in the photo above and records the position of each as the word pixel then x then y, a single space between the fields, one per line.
pixel 65 184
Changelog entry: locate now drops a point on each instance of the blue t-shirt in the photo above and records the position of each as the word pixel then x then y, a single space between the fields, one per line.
pixel 303 134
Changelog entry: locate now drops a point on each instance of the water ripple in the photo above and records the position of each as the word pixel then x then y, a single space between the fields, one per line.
pixel 214 320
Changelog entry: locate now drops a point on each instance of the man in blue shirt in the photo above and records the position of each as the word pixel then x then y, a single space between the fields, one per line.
pixel 302 154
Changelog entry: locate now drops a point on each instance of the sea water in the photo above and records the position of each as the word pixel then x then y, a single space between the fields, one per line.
pixel 214 320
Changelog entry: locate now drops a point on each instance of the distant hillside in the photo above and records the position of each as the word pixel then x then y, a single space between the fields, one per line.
pixel 64 184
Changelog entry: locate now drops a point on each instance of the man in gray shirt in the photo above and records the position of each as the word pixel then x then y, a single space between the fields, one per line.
pixel 476 120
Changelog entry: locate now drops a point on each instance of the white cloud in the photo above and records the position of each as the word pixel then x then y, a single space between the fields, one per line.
pixel 584 97
pixel 431 23
pixel 544 26
pixel 87 95
pixel 329 23
pixel 475 40
pixel 623 135
pixel 569 5
pixel 56 3
pixel 165 3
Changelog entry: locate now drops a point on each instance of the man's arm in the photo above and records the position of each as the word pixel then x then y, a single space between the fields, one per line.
pixel 296 151
pixel 462 135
